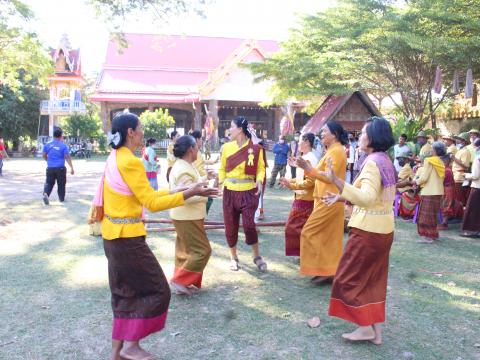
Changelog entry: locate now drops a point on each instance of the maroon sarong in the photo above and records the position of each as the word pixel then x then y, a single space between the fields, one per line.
pixel 450 206
pixel 359 289
pixel 471 219
pixel 236 203
pixel 140 291
pixel 427 219
pixel 461 193
pixel 301 210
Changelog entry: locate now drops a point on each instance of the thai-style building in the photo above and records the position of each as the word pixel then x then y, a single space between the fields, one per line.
pixel 192 76
pixel 64 87
pixel 350 110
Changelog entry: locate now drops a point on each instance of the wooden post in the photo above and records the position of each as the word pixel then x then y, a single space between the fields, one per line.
pixel 197 120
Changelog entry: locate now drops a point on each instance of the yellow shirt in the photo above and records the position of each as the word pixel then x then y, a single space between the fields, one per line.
pixel 452 149
pixel 339 161
pixel 195 207
pixel 458 171
pixel 200 165
pixel 370 211
pixel 170 157
pixel 473 151
pixel 302 184
pixel 405 173
pixel 429 180
pixel 238 173
pixel 130 206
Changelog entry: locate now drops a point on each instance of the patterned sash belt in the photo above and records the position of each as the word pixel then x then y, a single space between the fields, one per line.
pixel 123 220
pixel 372 212
pixel 240 181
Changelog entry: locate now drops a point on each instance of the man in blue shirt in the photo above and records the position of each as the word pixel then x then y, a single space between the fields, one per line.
pixel 281 150
pixel 55 153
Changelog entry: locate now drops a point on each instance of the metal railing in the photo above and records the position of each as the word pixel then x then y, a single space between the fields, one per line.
pixel 62 106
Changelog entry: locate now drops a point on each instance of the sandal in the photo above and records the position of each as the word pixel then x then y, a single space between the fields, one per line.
pixel 261 265
pixel 234 265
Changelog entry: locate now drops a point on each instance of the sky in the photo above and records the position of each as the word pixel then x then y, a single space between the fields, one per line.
pixel 254 19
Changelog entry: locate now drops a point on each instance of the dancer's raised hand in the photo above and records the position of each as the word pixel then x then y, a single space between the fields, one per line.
pixel 330 198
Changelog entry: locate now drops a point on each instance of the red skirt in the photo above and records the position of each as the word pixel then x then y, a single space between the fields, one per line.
pixel 427 220
pixel 408 204
pixel 299 214
pixel 450 206
pixel 359 289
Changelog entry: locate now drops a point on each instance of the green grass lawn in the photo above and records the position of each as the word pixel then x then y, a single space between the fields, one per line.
pixel 55 302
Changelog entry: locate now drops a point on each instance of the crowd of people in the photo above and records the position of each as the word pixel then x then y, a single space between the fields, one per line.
pixel 314 229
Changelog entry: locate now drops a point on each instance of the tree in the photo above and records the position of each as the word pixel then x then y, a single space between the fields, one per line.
pixel 155 123
pixel 381 47
pixel 19 114
pixel 20 51
pixel 117 12
pixel 82 125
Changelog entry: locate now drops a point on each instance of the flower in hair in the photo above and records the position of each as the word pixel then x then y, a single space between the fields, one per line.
pixel 114 139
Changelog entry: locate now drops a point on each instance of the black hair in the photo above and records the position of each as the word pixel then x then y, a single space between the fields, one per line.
pixel 476 143
pixel 241 122
pixel 120 124
pixel 197 134
pixel 404 136
pixel 310 137
pixel 379 134
pixel 58 132
pixel 173 134
pixel 439 148
pixel 150 141
pixel 182 145
pixel 338 130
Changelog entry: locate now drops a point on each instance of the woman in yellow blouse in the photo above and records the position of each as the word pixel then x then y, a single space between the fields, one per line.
pixel 302 205
pixel 242 170
pixel 322 236
pixel 360 286
pixel 430 180
pixel 192 248
pixel 140 292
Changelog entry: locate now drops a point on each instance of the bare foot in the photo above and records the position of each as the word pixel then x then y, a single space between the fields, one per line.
pixel 377 328
pixel 135 352
pixel 361 333
pixel 180 289
pixel 116 347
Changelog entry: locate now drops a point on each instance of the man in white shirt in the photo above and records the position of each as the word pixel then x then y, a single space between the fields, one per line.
pixel 401 150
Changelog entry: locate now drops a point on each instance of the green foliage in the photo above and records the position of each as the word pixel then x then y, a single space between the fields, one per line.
pixel 115 12
pixel 81 125
pixel 19 110
pixel 155 123
pixel 20 51
pixel 379 46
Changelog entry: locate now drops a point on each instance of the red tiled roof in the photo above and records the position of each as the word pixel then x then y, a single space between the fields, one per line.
pixel 330 108
pixel 165 65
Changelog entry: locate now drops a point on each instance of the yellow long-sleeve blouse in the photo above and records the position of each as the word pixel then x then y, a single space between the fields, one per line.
pixel 238 173
pixel 429 180
pixel 304 185
pixel 339 161
pixel 120 206
pixel 370 211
